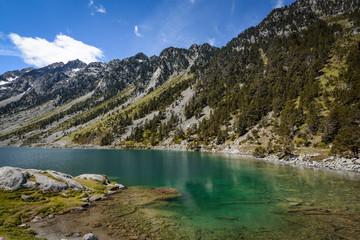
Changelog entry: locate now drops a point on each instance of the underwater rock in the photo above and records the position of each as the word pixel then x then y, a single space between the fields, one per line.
pixel 295 201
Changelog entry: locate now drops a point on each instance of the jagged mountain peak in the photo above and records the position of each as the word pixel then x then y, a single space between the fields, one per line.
pixel 75 64
pixel 141 56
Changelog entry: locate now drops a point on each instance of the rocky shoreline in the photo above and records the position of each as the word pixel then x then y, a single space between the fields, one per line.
pixel 331 163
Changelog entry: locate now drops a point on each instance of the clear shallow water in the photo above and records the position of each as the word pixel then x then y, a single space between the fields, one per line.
pixel 223 197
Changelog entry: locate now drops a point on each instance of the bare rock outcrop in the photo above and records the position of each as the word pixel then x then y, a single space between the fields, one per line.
pixel 12 178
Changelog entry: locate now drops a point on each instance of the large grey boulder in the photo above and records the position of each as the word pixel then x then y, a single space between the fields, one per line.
pixel 96 177
pixel 11 178
pixel 68 179
pixel 48 184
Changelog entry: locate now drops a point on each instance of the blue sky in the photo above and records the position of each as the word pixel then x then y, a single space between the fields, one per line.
pixel 38 32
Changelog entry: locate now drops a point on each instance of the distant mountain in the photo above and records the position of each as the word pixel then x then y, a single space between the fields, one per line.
pixel 288 85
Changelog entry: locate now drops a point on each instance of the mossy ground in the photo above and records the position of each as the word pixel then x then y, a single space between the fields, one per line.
pixel 14 211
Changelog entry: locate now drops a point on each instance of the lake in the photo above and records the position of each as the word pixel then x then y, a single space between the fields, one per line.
pixel 224 197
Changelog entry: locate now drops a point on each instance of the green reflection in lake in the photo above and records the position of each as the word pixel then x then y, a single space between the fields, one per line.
pixel 223 197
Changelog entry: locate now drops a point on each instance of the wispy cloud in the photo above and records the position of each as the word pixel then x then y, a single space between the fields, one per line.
pixel 136 31
pixel 100 9
pixel 279 4
pixel 192 1
pixel 121 21
pixel 2 36
pixel 96 7
pixel 211 41
pixel 7 52
pixel 40 52
pixel 232 7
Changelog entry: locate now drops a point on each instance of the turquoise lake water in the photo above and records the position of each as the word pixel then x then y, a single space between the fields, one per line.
pixel 224 197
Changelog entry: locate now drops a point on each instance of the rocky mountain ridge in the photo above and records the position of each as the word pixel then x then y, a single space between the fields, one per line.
pixel 240 97
pixel 36 86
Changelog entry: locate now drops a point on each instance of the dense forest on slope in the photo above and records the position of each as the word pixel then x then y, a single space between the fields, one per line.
pixel 289 85
pixel 308 82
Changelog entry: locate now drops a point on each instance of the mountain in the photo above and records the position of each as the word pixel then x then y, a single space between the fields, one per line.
pixel 288 85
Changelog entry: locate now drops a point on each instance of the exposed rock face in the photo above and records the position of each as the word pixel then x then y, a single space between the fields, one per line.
pixel 12 178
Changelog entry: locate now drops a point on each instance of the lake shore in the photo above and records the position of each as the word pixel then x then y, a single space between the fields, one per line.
pixel 127 214
pixel 302 160
pixel 287 201
pixel 54 205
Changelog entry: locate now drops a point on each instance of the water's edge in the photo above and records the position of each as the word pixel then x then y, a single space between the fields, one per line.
pixel 333 163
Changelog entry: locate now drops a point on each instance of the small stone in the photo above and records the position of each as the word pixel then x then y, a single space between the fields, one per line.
pixel 78 209
pixel 23 225
pixel 295 201
pixel 95 198
pixel 77 234
pixel 25 198
pixel 90 236
pixel 64 194
pixel 50 216
pixel 110 192
pixel 36 219
pixel 85 205
pixel 97 224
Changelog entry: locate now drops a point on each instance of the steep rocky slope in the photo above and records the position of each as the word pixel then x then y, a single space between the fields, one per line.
pixel 288 85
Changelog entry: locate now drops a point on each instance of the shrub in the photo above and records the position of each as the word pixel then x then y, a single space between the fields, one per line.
pixel 259 152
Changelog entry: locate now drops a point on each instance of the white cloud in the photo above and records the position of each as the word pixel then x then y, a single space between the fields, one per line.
pixel 211 41
pixel 100 9
pixel 96 7
pixel 279 3
pixel 136 31
pixel 40 52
